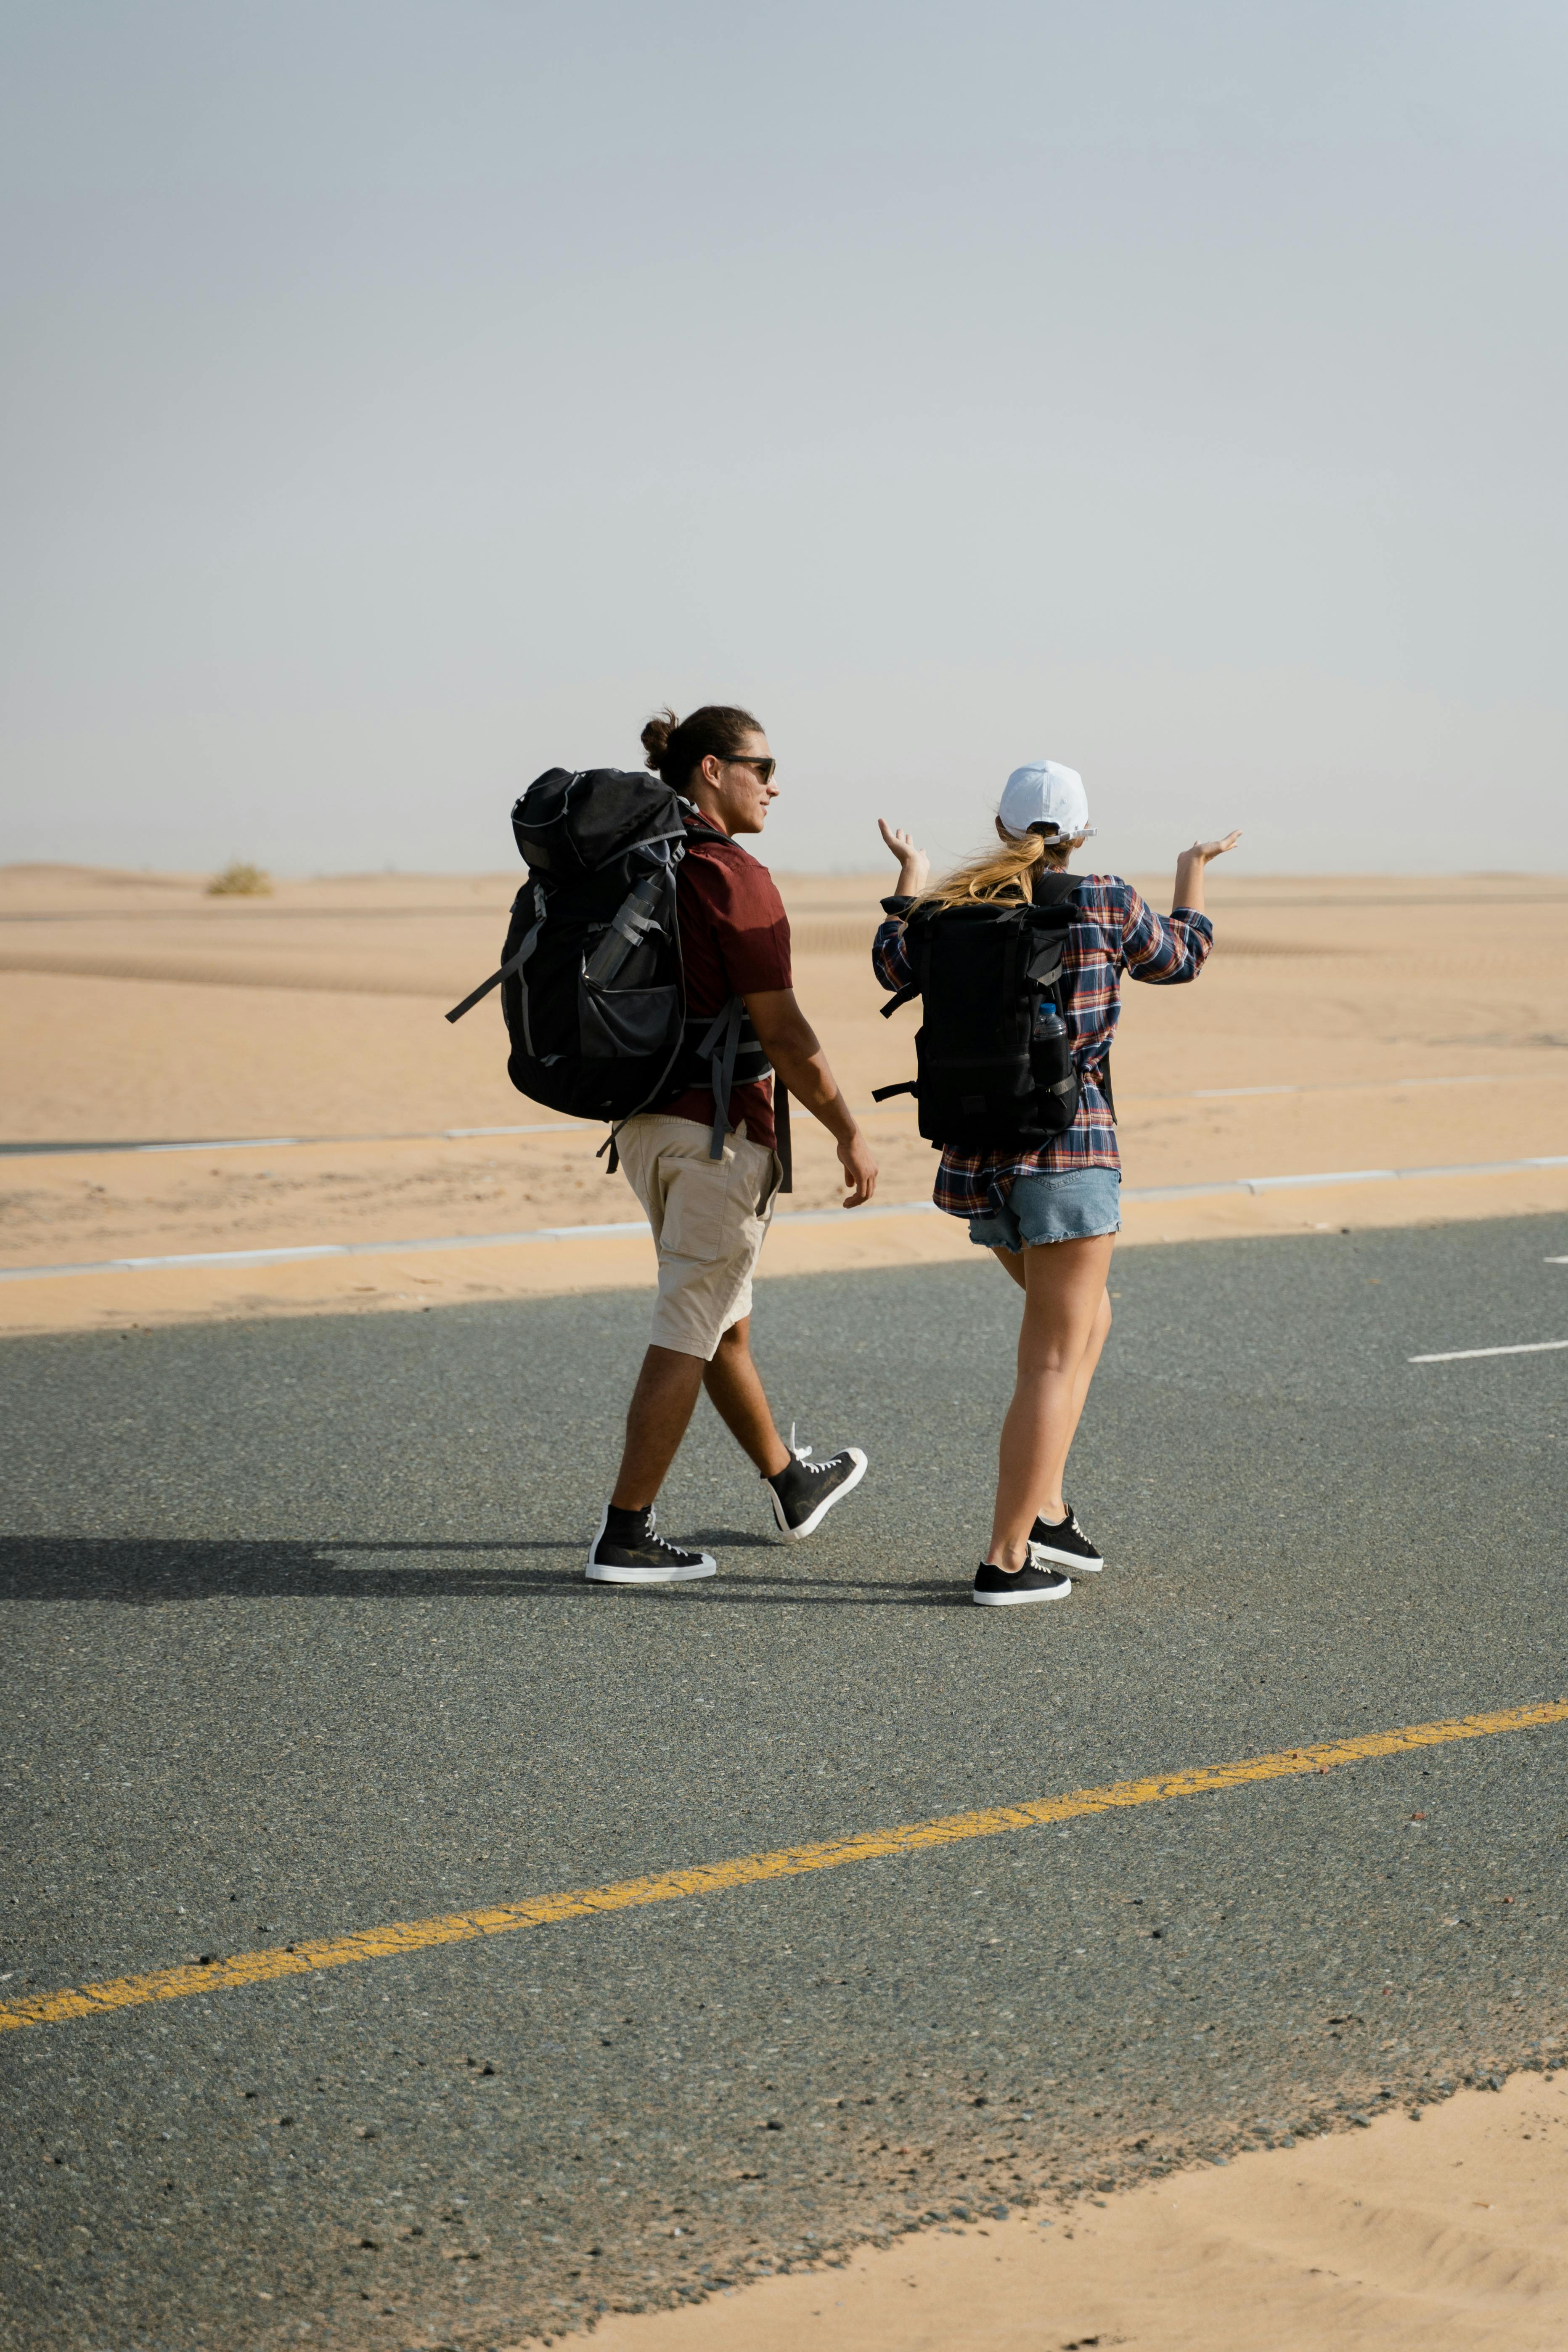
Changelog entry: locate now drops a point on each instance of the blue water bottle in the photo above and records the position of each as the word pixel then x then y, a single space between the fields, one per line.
pixel 1050 1054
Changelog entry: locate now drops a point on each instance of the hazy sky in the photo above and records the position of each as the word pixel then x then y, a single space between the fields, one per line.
pixel 401 399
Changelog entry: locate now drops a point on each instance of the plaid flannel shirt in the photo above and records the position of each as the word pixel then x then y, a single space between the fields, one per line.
pixel 1113 930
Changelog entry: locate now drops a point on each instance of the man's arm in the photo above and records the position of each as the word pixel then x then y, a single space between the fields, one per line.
pixel 788 1040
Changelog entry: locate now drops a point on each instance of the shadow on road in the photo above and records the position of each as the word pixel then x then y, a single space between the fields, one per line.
pixel 141 1571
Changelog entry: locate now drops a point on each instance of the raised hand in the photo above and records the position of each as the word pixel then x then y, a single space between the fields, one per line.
pixel 1190 865
pixel 914 865
pixel 1203 850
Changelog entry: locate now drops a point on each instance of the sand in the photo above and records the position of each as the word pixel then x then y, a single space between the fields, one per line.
pixel 1449 2234
pixel 1421 1023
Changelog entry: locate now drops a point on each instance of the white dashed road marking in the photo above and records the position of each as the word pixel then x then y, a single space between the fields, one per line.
pixel 1467 1355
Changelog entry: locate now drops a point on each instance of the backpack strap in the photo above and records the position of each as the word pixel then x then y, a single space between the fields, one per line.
pixel 1055 891
pixel 732 1051
pixel 718 1048
pixel 729 1045
pixel 898 907
pixel 695 822
pixel 728 1053
pixel 905 996
pixel 514 963
pixel 483 989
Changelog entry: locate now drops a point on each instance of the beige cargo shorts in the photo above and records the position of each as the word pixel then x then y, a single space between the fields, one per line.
pixel 710 1219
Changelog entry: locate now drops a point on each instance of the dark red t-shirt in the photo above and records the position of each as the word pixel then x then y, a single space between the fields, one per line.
pixel 734 939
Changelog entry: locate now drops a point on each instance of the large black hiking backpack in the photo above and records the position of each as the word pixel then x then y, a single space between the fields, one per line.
pixel 592 987
pixel 993 1051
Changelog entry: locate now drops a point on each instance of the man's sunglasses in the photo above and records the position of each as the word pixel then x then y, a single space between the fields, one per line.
pixel 765 768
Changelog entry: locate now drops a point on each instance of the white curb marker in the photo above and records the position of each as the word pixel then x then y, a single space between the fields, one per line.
pixel 1252 1184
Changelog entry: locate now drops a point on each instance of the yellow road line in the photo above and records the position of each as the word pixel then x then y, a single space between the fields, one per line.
pixel 750 1870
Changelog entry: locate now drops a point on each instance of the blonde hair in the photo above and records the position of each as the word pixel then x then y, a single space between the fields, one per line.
pixel 1005 873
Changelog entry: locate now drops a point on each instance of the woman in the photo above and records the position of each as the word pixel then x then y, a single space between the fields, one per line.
pixel 1051 1212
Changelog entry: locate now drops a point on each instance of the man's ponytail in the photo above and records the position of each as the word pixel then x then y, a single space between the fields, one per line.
pixel 676 746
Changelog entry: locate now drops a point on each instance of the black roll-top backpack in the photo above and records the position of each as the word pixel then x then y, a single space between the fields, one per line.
pixel 994 1056
pixel 591 982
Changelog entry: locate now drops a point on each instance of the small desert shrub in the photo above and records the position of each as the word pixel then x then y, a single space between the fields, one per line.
pixel 240 881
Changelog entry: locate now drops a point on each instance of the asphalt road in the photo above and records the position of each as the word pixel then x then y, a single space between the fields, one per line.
pixel 298 1644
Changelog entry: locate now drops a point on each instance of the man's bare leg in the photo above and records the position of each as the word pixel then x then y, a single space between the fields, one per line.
pixel 803 1492
pixel 657 1419
pixel 736 1394
pixel 662 1404
pixel 628 1548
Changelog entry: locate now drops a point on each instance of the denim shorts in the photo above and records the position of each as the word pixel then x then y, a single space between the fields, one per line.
pixel 1065 1205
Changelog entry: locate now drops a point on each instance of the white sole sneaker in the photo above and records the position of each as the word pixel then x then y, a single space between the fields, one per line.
pixel 597 1575
pixel 606 1572
pixel 1021 1596
pixel 809 1526
pixel 1047 1556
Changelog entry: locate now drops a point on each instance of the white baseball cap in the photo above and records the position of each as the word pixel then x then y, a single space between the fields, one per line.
pixel 1046 795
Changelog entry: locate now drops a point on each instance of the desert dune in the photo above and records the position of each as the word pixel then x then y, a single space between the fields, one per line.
pixel 1343 1024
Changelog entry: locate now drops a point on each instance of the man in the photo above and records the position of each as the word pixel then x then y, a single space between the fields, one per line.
pixel 710 1216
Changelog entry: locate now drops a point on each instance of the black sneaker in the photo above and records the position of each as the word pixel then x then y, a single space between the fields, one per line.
pixel 996 1588
pixel 645 1559
pixel 804 1492
pixel 1066 1543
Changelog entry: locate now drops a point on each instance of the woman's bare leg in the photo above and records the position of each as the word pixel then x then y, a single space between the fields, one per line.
pixel 1065 1316
pixel 1086 1368
pixel 1012 1264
